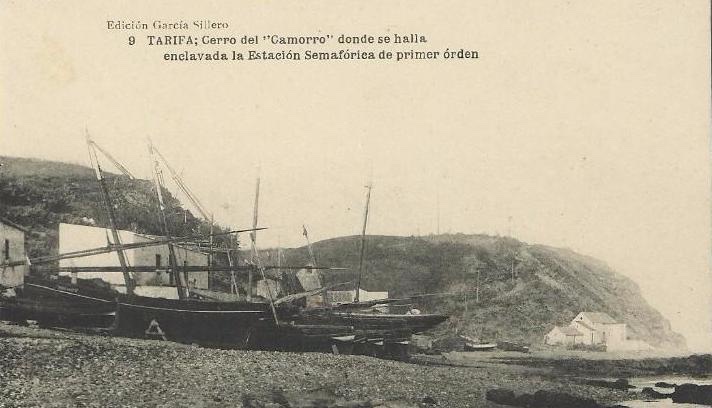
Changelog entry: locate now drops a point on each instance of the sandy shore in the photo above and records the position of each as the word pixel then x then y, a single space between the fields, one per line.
pixel 41 367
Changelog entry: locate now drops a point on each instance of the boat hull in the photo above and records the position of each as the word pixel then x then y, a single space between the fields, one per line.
pixel 480 347
pixel 62 307
pixel 236 324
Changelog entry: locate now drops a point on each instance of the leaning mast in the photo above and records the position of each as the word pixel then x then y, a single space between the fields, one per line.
pixel 128 280
pixel 179 281
pixel 257 262
pixel 369 186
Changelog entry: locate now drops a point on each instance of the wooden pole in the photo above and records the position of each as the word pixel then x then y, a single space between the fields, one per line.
pixel 466 300
pixel 233 281
pixel 258 262
pixel 189 268
pixel 512 270
pixel 363 241
pixel 128 280
pixel 478 287
pixel 210 254
pixel 179 279
pixel 253 235
pixel 312 258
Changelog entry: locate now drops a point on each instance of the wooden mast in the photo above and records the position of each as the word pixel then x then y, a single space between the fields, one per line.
pixel 256 256
pixel 253 235
pixel 258 262
pixel 111 158
pixel 312 259
pixel 210 254
pixel 369 186
pixel 178 277
pixel 128 280
pixel 233 280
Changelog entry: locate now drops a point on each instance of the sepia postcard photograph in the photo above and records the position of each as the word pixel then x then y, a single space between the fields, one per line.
pixel 353 204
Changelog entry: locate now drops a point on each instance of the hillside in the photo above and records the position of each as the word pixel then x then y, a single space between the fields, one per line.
pixel 40 194
pixel 550 285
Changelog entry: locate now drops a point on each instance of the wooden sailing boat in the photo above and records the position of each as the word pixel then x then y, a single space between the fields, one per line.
pixel 187 320
pixel 65 304
pixel 94 303
pixel 260 323
pixel 376 333
pixel 254 323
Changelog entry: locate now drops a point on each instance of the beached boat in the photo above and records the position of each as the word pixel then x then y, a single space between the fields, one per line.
pixel 376 332
pixel 480 346
pixel 62 305
pixel 470 344
pixel 193 321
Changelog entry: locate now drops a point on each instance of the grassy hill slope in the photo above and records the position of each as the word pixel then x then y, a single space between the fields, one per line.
pixel 550 285
pixel 40 194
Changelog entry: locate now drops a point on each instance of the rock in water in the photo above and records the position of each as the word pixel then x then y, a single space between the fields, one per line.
pixel 663 384
pixel 540 399
pixel 693 394
pixel 549 399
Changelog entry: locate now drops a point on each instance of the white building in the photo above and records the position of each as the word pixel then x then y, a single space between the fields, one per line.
pixel 154 284
pixel 599 328
pixel 336 297
pixel 12 239
pixel 563 335
pixel 593 329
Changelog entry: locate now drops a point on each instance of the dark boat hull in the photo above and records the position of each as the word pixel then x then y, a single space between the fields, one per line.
pixel 58 306
pixel 237 324
pixel 380 335
pixel 480 347
pixel 400 324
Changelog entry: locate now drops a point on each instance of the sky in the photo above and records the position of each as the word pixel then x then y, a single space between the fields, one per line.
pixel 581 125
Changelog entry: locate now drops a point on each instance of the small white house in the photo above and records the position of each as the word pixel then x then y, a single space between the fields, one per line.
pixel 12 239
pixel 563 335
pixel 599 328
pixel 594 329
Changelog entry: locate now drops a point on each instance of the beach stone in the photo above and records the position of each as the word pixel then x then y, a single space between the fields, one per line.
pixel 501 396
pixel 540 399
pixel 549 399
pixel 693 394
pixel 663 384
pixel 619 384
pixel 650 393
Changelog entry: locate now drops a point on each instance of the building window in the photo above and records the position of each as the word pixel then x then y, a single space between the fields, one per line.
pixel 158 260
pixel 7 249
